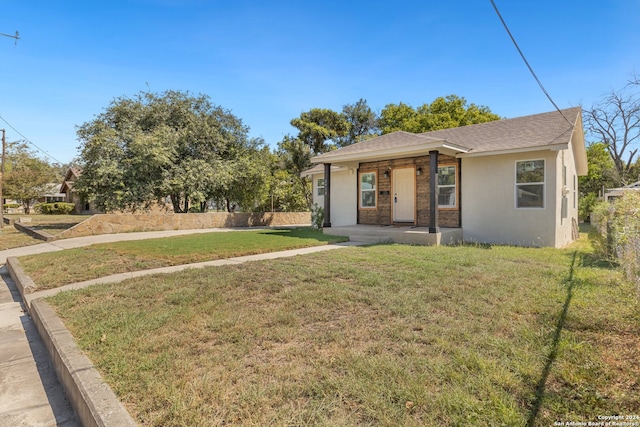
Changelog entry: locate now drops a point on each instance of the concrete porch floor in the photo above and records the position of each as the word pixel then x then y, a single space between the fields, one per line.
pixel 396 234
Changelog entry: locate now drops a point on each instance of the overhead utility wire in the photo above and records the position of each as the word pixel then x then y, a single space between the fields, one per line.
pixel 29 141
pixel 527 62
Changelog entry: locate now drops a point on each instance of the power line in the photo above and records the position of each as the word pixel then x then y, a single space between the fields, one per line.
pixel 527 62
pixel 29 141
pixel 17 37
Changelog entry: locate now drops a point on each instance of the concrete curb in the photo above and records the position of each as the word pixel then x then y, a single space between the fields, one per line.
pixel 36 234
pixel 92 399
pixel 23 282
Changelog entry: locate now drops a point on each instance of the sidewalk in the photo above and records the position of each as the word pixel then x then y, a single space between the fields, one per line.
pixel 30 393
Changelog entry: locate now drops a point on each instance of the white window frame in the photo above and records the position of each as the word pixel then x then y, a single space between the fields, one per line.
pixel 543 184
pixel 374 190
pixel 320 187
pixel 454 186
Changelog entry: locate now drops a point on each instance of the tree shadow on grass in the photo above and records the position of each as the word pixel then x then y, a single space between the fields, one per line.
pixel 307 233
pixel 54 226
pixel 553 353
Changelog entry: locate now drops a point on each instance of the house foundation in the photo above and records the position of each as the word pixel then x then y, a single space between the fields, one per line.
pixel 395 234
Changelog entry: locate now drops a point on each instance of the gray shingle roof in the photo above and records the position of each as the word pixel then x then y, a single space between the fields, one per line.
pixel 385 142
pixel 538 130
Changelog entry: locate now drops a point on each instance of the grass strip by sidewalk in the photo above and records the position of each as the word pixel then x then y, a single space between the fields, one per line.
pixel 54 269
pixel 52 224
pixel 384 335
pixel 11 238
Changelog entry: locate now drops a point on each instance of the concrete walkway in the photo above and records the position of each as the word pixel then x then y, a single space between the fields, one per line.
pixel 30 394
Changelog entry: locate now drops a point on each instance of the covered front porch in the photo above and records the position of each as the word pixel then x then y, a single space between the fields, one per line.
pixel 397 234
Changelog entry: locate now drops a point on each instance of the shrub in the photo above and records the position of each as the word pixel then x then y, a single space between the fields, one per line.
pixel 619 222
pixel 57 208
pixel 586 205
pixel 317 216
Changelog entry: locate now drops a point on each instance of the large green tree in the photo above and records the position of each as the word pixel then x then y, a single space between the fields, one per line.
pixel 295 158
pixel 248 185
pixel 319 128
pixel 145 148
pixel 443 113
pixel 601 174
pixel 27 177
pixel 362 123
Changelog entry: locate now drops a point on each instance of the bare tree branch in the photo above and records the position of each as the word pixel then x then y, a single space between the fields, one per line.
pixel 615 121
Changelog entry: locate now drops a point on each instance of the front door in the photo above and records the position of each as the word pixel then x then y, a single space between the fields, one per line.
pixel 404 185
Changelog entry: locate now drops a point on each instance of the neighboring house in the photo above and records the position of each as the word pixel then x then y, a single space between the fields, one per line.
pixel 611 194
pixel 510 181
pixel 52 194
pixel 81 206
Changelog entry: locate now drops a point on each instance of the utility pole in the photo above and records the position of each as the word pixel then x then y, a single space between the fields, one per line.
pixel 4 145
pixel 17 36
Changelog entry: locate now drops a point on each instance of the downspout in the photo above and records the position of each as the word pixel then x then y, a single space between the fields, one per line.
pixel 327 196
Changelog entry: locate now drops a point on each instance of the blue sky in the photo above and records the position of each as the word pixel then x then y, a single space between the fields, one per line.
pixel 269 61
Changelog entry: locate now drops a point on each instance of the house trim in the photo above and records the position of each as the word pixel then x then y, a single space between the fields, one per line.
pixel 516 184
pixel 391 153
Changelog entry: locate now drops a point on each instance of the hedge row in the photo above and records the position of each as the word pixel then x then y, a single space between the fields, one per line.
pixel 56 208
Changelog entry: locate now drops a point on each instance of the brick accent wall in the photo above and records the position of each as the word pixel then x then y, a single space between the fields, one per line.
pixel 383 213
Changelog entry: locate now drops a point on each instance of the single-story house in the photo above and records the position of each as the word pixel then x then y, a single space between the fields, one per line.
pixel 512 181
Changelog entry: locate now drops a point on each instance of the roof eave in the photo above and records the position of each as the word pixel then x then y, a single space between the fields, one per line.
pixel 548 147
pixel 395 152
pixel 579 148
pixel 315 170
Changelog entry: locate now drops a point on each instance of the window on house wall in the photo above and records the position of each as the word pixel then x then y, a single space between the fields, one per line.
pixel 447 186
pixel 530 184
pixel 368 190
pixel 320 186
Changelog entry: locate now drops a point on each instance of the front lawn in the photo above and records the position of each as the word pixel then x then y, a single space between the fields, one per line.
pixel 54 269
pixel 383 335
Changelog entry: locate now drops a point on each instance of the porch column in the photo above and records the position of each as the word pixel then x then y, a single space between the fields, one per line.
pixel 327 196
pixel 433 192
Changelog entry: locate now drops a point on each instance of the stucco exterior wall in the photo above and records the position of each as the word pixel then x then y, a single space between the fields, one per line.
pixel 567 184
pixel 344 197
pixel 489 212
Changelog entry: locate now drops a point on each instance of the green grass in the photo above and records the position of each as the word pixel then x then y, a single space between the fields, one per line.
pixel 11 238
pixel 383 335
pixel 55 269
pixel 52 224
